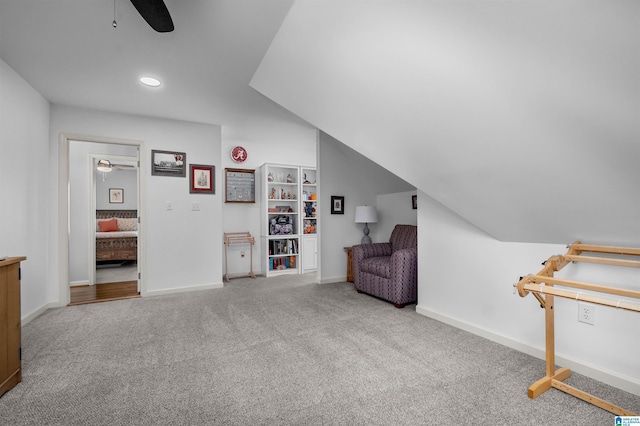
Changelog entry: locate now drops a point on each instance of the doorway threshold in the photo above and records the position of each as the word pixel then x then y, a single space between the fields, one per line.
pixel 105 292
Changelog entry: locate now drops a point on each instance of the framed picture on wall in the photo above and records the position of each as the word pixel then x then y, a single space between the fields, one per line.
pixel 239 186
pixel 337 204
pixel 202 179
pixel 116 195
pixel 168 163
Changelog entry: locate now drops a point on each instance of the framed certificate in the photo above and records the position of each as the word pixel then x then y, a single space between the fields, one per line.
pixel 240 186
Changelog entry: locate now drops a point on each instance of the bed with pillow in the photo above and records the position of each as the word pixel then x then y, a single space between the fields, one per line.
pixel 116 235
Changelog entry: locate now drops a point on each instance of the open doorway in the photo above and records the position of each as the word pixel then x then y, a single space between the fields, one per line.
pixel 103 220
pixel 113 243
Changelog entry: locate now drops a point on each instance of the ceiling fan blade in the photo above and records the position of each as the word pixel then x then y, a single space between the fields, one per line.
pixel 156 14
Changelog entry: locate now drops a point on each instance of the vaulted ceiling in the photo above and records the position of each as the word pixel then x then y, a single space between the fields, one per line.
pixel 521 116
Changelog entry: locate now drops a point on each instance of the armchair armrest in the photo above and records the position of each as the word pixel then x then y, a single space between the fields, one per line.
pixel 371 250
pixel 404 265
pixel 363 251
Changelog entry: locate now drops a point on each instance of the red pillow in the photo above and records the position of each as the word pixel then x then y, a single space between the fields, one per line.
pixel 108 225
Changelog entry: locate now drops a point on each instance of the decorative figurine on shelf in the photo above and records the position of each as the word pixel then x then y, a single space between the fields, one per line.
pixel 273 194
pixel 308 227
pixel 289 195
pixel 289 178
pixel 282 194
pixel 308 209
pixel 270 177
pixel 306 180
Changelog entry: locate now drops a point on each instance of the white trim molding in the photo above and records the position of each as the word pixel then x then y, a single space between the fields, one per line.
pixel 174 290
pixel 626 383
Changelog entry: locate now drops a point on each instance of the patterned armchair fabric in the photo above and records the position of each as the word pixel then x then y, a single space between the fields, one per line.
pixel 389 270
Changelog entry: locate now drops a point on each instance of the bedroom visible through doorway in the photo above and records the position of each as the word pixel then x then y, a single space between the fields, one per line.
pixel 104 225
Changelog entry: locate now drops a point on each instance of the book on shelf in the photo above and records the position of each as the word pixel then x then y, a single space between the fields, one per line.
pixel 281 263
pixel 280 247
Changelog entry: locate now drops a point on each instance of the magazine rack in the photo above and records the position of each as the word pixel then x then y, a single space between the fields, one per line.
pixel 543 287
pixel 233 238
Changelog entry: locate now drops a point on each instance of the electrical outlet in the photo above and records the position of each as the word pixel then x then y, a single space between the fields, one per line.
pixel 587 313
pixel 169 205
pixel 195 207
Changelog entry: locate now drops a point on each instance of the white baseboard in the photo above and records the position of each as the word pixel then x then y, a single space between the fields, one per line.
pixel 42 309
pixel 78 283
pixel 626 383
pixel 333 280
pixel 181 289
pixel 36 313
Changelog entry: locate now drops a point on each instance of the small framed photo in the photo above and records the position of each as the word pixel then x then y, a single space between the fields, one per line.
pixel 202 179
pixel 337 204
pixel 414 202
pixel 168 163
pixel 116 195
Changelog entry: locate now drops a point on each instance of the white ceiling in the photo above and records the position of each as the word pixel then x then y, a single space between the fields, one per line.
pixel 70 53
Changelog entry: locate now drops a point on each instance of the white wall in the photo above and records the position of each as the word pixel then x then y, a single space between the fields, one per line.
pixel 466 278
pixel 346 173
pixel 180 245
pixel 184 248
pixel 124 179
pixel 25 195
pixel 285 140
pixel 393 209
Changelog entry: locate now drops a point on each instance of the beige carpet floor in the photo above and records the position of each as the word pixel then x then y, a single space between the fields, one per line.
pixel 278 351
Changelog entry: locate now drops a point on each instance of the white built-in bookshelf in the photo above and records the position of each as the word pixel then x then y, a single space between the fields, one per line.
pixel 289 215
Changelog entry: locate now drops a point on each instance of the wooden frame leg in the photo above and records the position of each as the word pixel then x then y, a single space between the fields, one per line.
pixel 546 383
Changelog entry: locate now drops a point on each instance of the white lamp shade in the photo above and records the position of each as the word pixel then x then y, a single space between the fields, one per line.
pixel 366 214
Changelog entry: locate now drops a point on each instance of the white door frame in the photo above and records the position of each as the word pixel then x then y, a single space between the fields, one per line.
pixel 63 208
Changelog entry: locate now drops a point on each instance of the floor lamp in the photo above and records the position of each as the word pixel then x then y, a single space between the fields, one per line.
pixel 366 215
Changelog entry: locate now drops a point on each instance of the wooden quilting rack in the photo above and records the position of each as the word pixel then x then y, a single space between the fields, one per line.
pixel 543 287
pixel 233 238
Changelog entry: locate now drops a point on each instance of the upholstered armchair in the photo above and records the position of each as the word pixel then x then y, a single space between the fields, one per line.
pixel 389 271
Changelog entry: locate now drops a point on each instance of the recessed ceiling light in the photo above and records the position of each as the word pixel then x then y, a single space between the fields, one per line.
pixel 150 81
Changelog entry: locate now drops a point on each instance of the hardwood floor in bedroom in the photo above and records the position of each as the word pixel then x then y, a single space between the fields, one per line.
pixel 114 281
pixel 103 292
